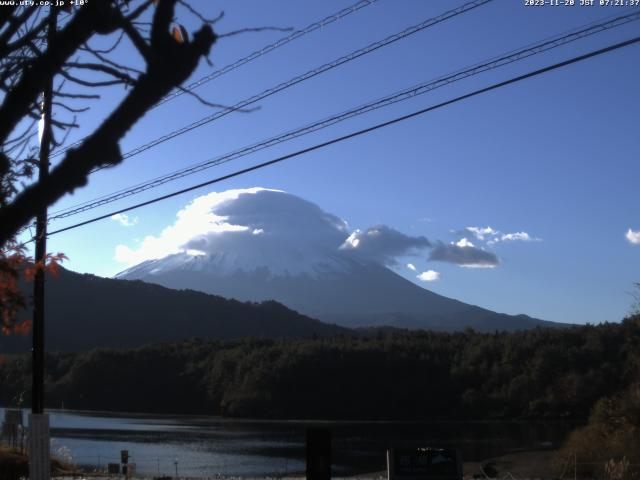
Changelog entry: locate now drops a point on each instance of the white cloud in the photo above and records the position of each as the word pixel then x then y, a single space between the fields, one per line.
pixel 126 255
pixel 518 236
pixel 481 232
pixel 633 237
pixel 352 241
pixel 195 220
pixel 245 226
pixel 429 276
pixel 124 219
pixel 464 243
pixel 492 236
pixel 251 225
pixel 258 226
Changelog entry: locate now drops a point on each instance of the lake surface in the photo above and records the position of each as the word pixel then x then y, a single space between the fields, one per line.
pixel 210 446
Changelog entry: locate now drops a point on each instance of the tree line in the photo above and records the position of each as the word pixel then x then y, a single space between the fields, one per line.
pixel 539 373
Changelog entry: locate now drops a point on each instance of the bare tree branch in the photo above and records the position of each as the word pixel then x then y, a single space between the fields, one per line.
pixel 83 96
pixel 90 83
pixel 14 24
pixel 138 41
pixel 6 14
pixel 169 64
pixel 215 105
pixel 199 16
pixel 106 50
pixel 26 39
pixel 70 109
pixel 92 17
pixel 106 60
pixel 98 67
pixel 140 10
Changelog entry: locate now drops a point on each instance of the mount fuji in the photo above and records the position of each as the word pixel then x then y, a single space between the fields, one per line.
pixel 258 244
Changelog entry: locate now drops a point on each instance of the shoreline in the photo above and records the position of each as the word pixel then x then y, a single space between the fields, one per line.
pixel 524 464
pixel 316 421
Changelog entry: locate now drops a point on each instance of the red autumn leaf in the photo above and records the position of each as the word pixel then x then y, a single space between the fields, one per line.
pixel 52 268
pixel 29 273
pixel 23 328
pixel 13 261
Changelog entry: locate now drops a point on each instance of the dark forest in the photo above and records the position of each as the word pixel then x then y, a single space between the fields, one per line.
pixel 534 374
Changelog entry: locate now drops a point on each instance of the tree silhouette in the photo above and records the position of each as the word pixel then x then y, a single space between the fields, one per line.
pixel 31 58
pixel 27 63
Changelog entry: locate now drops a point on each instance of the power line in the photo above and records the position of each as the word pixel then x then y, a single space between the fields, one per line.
pixel 362 132
pixel 305 76
pixel 308 75
pixel 252 56
pixel 269 48
pixel 494 62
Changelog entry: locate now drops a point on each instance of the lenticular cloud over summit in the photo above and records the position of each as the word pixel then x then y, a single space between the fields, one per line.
pixel 258 244
pixel 260 224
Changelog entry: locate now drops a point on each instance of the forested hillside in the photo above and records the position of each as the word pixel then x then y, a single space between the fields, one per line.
pixel 85 311
pixel 540 373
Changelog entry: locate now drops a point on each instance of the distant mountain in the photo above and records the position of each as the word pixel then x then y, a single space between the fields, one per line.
pixel 258 244
pixel 85 311
pixel 335 288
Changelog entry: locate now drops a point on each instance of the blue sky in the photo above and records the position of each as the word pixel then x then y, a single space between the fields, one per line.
pixel 554 156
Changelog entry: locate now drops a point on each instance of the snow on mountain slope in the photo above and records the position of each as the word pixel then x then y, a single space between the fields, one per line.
pixel 260 244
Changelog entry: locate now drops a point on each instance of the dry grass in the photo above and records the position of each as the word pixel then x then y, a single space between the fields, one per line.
pixel 14 465
pixel 609 446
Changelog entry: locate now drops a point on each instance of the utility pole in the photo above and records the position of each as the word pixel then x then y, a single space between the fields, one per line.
pixel 39 451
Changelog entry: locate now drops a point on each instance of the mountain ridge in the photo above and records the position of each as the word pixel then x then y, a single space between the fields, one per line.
pixel 261 244
pixel 85 311
pixel 355 294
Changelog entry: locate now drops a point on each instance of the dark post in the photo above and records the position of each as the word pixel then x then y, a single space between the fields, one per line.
pixel 318 453
pixel 37 401
pixel 39 447
pixel 124 460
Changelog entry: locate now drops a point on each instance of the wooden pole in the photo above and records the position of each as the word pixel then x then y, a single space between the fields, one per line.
pixel 39 451
pixel 41 240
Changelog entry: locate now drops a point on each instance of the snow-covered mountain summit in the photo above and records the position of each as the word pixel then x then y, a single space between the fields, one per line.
pixel 260 244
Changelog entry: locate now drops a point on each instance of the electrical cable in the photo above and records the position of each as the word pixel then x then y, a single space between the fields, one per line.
pixel 269 48
pixel 494 62
pixel 305 76
pixel 361 132
pixel 252 56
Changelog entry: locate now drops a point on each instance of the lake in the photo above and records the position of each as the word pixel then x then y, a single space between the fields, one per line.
pixel 208 446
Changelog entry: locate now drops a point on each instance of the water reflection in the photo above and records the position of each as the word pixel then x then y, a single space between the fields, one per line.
pixel 207 446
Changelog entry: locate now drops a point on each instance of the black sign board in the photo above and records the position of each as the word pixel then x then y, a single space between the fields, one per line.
pixel 318 453
pixel 424 464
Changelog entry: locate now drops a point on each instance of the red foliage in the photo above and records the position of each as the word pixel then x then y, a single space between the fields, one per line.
pixel 14 260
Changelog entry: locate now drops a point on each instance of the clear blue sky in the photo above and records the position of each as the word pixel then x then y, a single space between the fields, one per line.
pixel 555 156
